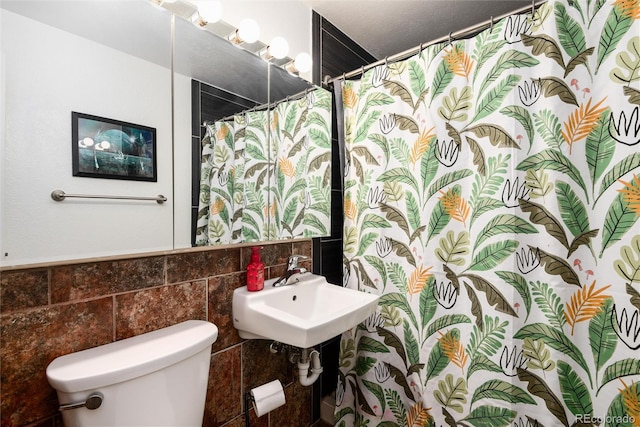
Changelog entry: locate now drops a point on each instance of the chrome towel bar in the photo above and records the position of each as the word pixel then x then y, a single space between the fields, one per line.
pixel 59 195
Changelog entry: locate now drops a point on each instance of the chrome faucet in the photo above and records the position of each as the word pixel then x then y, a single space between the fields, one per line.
pixel 292 269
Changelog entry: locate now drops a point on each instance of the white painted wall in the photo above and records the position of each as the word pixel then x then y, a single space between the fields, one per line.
pixel 45 74
pixel 3 168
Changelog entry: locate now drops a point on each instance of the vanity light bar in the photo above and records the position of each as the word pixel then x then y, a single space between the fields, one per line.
pixel 222 29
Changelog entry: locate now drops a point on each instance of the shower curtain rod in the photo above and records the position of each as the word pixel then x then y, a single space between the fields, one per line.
pixel 452 36
pixel 263 106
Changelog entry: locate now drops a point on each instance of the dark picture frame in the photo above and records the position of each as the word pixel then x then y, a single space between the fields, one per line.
pixel 112 149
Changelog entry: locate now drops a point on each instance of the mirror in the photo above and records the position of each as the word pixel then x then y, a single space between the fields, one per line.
pixel 266 174
pixel 67 56
pixel 71 56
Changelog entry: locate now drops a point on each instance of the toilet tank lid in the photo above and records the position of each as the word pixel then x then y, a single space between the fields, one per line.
pixel 130 358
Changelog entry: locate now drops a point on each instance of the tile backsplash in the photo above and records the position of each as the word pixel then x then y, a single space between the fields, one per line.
pixel 50 310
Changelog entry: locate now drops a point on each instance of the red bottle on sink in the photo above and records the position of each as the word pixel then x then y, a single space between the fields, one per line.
pixel 255 271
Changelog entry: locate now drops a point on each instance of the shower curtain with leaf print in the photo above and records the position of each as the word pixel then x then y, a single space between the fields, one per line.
pixel 302 149
pixel 491 199
pixel 265 175
pixel 232 209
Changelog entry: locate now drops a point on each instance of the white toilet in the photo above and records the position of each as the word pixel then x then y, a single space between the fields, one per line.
pixel 156 379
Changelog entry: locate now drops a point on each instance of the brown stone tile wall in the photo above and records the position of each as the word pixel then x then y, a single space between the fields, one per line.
pixel 49 311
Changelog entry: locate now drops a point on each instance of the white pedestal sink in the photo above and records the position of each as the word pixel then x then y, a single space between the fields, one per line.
pixel 302 314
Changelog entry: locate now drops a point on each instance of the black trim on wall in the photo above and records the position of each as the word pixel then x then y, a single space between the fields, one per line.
pixel 338 54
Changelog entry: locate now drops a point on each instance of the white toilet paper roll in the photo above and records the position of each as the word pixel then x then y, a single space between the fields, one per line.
pixel 268 397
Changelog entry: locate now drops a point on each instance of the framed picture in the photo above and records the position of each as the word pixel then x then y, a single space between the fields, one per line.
pixel 106 148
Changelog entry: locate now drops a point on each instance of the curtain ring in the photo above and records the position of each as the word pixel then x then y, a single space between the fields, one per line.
pixel 362 71
pixel 533 8
pixel 491 26
pixel 450 42
pixel 344 77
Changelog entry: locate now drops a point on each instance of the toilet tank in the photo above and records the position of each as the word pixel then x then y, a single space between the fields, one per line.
pixel 155 379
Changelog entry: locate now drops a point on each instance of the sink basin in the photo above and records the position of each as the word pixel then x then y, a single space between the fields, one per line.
pixel 302 314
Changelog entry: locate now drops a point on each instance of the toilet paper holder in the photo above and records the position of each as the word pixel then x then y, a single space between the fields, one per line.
pixel 264 399
pixel 247 401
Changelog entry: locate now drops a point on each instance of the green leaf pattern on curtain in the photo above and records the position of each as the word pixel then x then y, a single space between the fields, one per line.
pixel 265 175
pixel 491 198
pixel 221 192
pixel 301 147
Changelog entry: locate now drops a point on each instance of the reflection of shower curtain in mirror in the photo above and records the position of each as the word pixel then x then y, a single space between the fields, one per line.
pixel 302 149
pixel 492 196
pixel 260 183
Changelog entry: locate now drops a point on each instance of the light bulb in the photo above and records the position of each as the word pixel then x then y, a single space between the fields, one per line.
pixel 303 62
pixel 249 31
pixel 279 47
pixel 210 10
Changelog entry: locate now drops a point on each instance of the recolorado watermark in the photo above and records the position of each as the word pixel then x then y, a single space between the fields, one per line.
pixel 607 420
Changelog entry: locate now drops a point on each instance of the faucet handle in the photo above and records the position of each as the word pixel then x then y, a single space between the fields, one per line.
pixel 293 261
